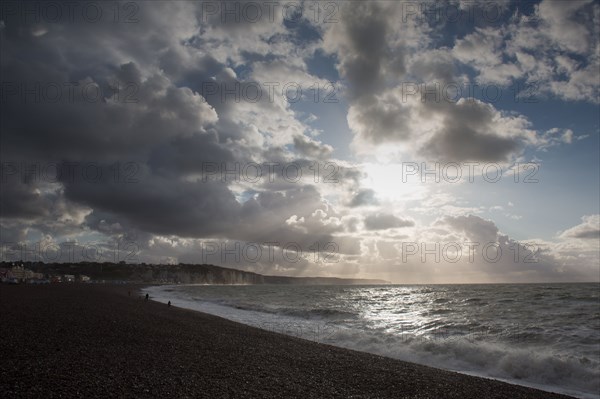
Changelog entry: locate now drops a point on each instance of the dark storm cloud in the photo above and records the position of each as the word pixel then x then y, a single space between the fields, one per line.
pixel 21 200
pixel 184 155
pixel 30 201
pixel 468 133
pixel 266 218
pixel 150 122
pixel 109 127
pixel 13 231
pixel 361 40
pixel 161 205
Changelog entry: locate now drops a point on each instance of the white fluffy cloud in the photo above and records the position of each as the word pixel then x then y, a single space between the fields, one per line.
pixel 589 229
pixel 555 50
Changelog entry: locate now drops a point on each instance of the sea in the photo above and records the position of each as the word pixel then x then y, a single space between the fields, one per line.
pixel 545 336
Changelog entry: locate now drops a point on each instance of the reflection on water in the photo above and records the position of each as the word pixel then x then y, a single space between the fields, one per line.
pixel 545 335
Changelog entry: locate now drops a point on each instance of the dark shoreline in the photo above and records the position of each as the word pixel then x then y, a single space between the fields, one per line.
pixel 82 340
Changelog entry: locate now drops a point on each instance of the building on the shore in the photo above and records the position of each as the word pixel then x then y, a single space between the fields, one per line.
pixel 19 273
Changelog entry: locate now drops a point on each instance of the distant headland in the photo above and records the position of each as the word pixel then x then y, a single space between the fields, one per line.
pixel 182 273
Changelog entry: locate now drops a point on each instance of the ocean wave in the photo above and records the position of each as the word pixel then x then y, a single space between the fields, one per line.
pixel 491 331
pixel 324 313
pixel 532 365
pixel 305 313
pixel 438 311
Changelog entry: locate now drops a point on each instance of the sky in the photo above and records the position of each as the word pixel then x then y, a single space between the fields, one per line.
pixel 417 142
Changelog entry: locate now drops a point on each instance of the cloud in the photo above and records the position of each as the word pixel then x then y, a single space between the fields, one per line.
pixel 483 50
pixel 388 99
pixel 360 40
pixel 312 148
pixel 434 65
pixel 474 227
pixel 383 221
pixel 486 254
pixel 524 51
pixel 461 131
pixel 553 51
pixel 476 131
pixel 22 200
pixel 589 229
pixel 561 22
pixel 364 197
pixel 381 119
pixel 165 136
pixel 152 152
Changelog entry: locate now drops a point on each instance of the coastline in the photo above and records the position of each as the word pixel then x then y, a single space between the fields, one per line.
pixel 82 340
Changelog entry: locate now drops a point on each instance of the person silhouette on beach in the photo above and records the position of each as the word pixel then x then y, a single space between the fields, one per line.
pixel 169 304
pixel 147 296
